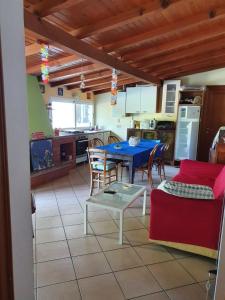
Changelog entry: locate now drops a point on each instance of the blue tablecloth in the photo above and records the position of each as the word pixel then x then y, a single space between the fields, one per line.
pixel 140 153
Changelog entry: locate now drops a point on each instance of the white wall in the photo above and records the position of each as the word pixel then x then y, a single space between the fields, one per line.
pixel 12 43
pixel 214 77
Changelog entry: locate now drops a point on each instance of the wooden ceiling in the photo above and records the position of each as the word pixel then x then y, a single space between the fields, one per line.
pixel 146 40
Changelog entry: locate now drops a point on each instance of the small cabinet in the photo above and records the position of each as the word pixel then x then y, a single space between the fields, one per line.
pixel 118 110
pixel 141 99
pixel 170 96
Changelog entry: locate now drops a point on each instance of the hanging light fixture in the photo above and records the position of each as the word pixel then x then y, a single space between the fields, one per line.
pixel 44 63
pixel 82 78
pixel 114 87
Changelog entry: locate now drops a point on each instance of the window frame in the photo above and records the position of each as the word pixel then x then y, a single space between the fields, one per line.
pixel 75 101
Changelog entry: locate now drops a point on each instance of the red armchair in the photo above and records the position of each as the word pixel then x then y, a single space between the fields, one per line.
pixel 190 224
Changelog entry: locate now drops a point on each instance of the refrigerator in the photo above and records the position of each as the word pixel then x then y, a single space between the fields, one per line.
pixel 186 141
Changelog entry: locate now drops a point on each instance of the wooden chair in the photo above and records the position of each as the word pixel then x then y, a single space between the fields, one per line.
pixel 95 142
pixel 147 169
pixel 160 161
pixel 113 139
pixel 101 170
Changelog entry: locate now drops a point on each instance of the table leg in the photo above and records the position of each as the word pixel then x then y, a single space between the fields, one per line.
pixel 131 172
pixel 144 203
pixel 121 229
pixel 85 218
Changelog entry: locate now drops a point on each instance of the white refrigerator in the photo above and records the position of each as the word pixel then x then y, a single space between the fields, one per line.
pixel 187 132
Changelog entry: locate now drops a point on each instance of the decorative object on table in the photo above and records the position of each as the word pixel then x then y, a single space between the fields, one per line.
pixel 42 88
pixel 41 153
pixel 117 146
pixel 114 87
pixel 60 91
pixel 44 63
pixel 134 141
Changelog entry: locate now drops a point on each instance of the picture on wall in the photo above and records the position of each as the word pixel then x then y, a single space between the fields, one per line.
pixel 41 153
pixel 60 91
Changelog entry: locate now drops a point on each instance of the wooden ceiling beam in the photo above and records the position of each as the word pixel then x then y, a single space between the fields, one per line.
pixel 35 49
pixel 171 28
pixel 88 77
pixel 108 85
pixel 159 60
pixel 75 71
pixel 97 82
pixel 194 38
pixel 48 7
pixel 36 69
pixel 124 18
pixel 184 61
pixel 66 41
pixel 210 64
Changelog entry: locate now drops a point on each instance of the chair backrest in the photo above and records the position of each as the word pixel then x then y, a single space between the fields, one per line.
pixel 165 149
pixel 151 157
pixel 113 139
pixel 95 142
pixel 95 154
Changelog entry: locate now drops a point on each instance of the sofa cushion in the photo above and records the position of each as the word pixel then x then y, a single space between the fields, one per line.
pixel 219 186
pixel 192 179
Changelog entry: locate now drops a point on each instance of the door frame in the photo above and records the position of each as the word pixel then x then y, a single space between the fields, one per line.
pixel 6 264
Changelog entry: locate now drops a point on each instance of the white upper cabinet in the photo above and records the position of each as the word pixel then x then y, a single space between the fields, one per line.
pixel 141 99
pixel 133 103
pixel 170 96
pixel 148 99
pixel 118 110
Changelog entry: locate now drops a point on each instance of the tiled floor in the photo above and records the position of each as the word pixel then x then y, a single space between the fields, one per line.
pixel 71 266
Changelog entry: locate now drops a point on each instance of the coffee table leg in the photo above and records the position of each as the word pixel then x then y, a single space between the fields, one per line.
pixel 144 203
pixel 85 218
pixel 121 228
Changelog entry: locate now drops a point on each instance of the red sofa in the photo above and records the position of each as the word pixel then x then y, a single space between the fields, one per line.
pixel 190 224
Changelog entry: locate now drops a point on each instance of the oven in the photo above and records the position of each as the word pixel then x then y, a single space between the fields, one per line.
pixel 81 146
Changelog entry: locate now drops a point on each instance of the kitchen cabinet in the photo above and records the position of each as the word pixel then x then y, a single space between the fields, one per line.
pixel 141 99
pixel 170 96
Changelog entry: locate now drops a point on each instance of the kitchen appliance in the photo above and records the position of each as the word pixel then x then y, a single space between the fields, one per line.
pixel 81 146
pixel 152 124
pixel 187 132
pixel 165 125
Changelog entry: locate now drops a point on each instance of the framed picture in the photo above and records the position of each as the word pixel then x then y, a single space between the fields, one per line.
pixel 60 91
pixel 42 88
pixel 41 153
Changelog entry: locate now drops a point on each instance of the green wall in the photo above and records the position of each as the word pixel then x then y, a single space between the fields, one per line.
pixel 38 116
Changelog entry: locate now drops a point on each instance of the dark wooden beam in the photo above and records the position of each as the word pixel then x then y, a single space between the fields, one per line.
pixel 125 18
pixel 175 27
pixel 196 37
pixel 66 41
pixel 88 77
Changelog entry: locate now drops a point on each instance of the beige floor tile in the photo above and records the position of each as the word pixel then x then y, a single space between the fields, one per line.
pixel 61 291
pixel 135 212
pixel 155 296
pixel 48 222
pixel 73 219
pixel 151 254
pixel 85 245
pixel 122 259
pixel 70 209
pixel 67 201
pixel 137 237
pixel 91 265
pixel 178 253
pixel 193 292
pixel 46 203
pixel 103 287
pixel 47 212
pixel 130 224
pixel 137 282
pixel 55 271
pixel 144 220
pixel 170 274
pixel 116 216
pixel 76 231
pixel 198 266
pixel 50 235
pixel 111 241
pixel 51 251
pixel 104 227
pixel 100 215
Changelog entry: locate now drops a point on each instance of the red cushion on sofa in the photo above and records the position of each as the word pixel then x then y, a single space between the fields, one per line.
pixel 219 186
pixel 194 180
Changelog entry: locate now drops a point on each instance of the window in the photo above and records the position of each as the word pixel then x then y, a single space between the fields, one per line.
pixel 71 114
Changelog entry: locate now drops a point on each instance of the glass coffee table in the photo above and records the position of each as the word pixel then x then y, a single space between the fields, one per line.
pixel 123 194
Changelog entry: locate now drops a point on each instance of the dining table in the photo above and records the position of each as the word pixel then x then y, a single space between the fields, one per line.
pixel 136 156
